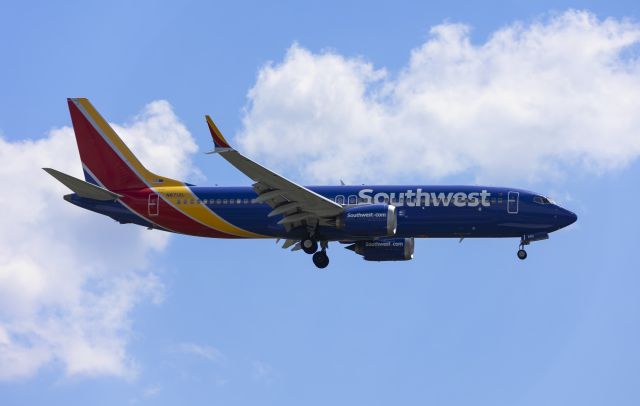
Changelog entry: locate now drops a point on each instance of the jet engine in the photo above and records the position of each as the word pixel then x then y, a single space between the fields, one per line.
pixel 387 249
pixel 375 220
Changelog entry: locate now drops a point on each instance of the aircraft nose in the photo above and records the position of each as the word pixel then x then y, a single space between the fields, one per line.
pixel 566 217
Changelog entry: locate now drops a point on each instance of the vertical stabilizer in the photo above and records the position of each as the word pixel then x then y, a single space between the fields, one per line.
pixel 106 160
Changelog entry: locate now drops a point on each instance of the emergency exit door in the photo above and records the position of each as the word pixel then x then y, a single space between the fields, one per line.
pixel 154 204
pixel 513 199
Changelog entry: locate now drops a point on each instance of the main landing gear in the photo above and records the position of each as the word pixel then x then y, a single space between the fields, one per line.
pixel 320 258
pixel 309 246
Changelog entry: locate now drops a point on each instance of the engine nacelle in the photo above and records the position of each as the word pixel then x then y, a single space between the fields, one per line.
pixel 387 249
pixel 375 220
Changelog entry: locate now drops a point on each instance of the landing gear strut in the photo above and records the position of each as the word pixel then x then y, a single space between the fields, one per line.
pixel 309 246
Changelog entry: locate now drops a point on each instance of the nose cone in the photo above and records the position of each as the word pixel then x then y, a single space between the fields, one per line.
pixel 566 217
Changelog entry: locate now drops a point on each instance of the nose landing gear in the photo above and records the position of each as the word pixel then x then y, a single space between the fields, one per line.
pixel 522 254
pixel 528 239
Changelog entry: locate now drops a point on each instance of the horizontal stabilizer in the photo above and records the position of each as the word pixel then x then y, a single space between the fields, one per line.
pixel 82 188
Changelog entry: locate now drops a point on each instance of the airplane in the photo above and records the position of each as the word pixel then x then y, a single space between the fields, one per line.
pixel 380 223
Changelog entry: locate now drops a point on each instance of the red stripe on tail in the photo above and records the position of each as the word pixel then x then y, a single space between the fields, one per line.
pixel 97 155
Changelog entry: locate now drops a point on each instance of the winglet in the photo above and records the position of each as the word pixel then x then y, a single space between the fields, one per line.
pixel 220 143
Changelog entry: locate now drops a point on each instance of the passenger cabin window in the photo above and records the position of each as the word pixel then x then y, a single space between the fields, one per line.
pixel 353 199
pixel 340 199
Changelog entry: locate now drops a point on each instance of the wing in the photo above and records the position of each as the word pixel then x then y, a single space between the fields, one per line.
pixel 297 204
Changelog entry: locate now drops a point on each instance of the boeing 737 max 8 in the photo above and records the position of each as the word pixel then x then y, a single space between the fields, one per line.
pixel 377 222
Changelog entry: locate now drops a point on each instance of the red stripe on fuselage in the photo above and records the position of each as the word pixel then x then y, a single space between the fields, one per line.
pixel 168 217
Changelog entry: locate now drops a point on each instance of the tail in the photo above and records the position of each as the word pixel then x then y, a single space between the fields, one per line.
pixel 106 160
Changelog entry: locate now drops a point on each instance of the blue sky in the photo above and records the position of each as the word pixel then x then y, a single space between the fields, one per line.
pixel 244 322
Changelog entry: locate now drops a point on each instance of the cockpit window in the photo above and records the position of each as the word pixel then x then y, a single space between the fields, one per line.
pixel 541 200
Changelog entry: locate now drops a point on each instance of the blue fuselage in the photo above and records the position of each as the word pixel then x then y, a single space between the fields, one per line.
pixel 422 211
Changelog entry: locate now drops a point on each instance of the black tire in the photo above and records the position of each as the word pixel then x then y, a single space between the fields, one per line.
pixel 309 246
pixel 522 254
pixel 321 259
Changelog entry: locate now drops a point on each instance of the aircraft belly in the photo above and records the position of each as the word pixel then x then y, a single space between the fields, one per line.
pixel 443 222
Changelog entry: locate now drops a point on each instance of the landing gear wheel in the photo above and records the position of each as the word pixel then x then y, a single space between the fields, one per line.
pixel 321 259
pixel 309 246
pixel 522 254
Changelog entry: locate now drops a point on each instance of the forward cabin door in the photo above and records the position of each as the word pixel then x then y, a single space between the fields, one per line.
pixel 513 200
pixel 154 204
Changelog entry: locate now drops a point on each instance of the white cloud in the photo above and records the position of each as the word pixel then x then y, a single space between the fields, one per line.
pixel 264 372
pixel 535 100
pixel 203 351
pixel 151 392
pixel 69 278
pixel 161 142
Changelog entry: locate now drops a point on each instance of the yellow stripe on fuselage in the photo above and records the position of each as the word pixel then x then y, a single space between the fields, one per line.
pixel 200 212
